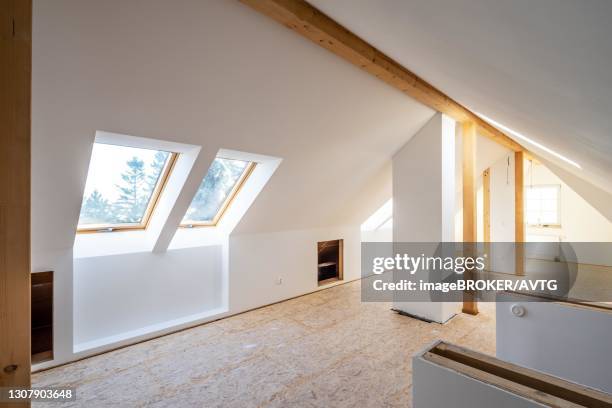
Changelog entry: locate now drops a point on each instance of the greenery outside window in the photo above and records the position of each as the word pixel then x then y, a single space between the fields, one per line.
pixel 123 186
pixel 222 182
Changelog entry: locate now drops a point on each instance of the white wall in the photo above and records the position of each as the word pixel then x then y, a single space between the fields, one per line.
pixel 378 227
pixel 121 297
pixel 594 195
pixel 257 261
pixel 123 293
pixel 206 74
pixel 501 180
pixel 424 199
pixel 590 226
pixel 379 235
pixel 489 155
pixel 580 221
pixel 458 184
pixel 502 199
pixel 564 340
pixel 60 262
pixel 423 173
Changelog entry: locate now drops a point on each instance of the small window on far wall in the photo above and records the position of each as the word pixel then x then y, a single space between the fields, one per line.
pixel 216 192
pixel 542 205
pixel 123 185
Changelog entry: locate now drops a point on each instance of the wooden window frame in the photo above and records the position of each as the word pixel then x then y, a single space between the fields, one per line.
pixel 553 225
pixel 146 218
pixel 228 200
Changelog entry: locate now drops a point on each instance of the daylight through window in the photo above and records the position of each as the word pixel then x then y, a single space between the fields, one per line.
pixel 222 182
pixel 542 205
pixel 123 184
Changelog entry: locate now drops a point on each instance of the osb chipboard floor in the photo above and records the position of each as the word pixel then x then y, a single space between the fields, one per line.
pixel 326 349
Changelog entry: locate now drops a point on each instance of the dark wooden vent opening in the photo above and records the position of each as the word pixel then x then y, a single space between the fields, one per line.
pixel 42 316
pixel 330 261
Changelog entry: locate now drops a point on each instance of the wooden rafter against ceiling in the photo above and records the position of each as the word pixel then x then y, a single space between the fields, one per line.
pixel 308 21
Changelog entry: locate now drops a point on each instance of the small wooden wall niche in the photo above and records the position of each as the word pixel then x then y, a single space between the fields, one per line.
pixel 42 317
pixel 330 261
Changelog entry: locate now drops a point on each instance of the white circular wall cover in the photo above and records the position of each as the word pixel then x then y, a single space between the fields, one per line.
pixel 518 310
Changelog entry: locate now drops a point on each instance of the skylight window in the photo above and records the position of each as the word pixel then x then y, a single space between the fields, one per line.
pixel 123 184
pixel 216 192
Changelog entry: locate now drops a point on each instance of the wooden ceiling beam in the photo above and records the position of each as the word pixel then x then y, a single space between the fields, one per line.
pixel 308 21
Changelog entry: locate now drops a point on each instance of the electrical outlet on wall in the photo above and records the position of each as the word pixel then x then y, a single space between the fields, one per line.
pixel 279 280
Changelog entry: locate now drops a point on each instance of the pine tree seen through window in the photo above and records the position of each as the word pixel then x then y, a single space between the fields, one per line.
pixel 221 183
pixel 122 186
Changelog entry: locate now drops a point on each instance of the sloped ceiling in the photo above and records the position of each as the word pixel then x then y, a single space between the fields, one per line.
pixel 488 153
pixel 598 198
pixel 540 67
pixel 214 74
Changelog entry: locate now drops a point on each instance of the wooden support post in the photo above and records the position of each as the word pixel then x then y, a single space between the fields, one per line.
pixel 519 213
pixel 486 204
pixel 15 95
pixel 486 213
pixel 470 304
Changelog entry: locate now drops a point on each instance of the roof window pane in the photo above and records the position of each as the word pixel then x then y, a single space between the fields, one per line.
pixel 220 185
pixel 123 184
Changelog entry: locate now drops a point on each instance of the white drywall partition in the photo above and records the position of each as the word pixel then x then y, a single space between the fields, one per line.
pixel 424 199
pixel 562 339
pixel 436 386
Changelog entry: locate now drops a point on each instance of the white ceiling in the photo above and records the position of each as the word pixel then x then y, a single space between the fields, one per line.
pixel 542 68
pixel 187 75
pixel 211 74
